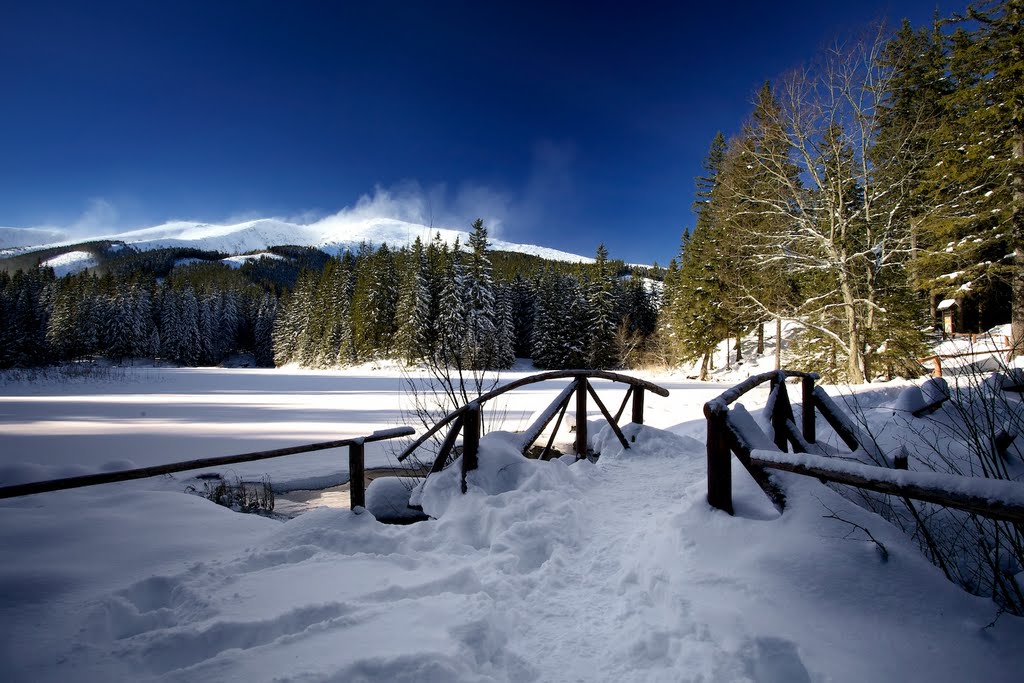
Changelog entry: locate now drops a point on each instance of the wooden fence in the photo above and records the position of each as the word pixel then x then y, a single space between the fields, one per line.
pixel 355 447
pixel 992 350
pixel 1003 500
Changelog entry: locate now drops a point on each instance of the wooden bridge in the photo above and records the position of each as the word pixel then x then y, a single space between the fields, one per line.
pixel 466 419
pixel 727 435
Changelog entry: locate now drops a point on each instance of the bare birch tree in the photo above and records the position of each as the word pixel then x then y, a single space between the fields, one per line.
pixel 838 222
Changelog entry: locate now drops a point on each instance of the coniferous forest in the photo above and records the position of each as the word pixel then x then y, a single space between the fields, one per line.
pixel 884 178
pixel 436 301
pixel 863 190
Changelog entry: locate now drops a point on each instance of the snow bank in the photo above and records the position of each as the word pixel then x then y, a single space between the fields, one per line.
pixel 501 469
pixel 388 497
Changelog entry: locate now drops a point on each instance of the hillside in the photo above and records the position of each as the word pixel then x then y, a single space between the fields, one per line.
pixel 332 235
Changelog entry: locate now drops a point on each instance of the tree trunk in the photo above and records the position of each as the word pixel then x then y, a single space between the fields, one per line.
pixel 760 339
pixel 778 342
pixel 739 349
pixel 854 365
pixel 1017 242
pixel 728 365
pixel 704 376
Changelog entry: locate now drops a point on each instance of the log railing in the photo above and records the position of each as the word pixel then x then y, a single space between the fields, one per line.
pixel 355 447
pixel 989 346
pixel 466 420
pixel 995 499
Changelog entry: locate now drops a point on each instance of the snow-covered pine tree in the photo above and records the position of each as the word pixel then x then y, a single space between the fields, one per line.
pixel 293 319
pixel 119 339
pixel 522 300
pixel 413 309
pixel 504 347
pixel 669 318
pixel 545 351
pixel 263 328
pixel 698 318
pixel 577 322
pixel 478 341
pixel 209 345
pixel 170 325
pixel 451 327
pixel 602 294
pixel 190 348
pixel 142 320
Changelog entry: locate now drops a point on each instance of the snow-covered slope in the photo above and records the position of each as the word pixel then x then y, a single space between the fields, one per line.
pixel 70 262
pixel 333 234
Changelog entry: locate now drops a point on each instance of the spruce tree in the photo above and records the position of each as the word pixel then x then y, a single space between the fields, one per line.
pixel 603 306
pixel 978 182
pixel 478 342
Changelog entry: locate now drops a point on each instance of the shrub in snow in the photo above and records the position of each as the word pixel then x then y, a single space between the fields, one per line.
pixel 975 433
pixel 241 496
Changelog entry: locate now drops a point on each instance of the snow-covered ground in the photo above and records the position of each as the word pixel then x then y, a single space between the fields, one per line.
pixel 557 570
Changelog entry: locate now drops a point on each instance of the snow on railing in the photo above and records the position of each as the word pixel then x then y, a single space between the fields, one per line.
pixel 355 455
pixel 994 498
pixel 466 420
pixel 734 431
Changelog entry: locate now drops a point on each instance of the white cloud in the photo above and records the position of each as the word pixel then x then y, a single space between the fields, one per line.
pixel 100 216
pixel 434 207
pixel 545 200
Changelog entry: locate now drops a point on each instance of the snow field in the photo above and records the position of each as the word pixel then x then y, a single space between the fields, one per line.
pixel 553 571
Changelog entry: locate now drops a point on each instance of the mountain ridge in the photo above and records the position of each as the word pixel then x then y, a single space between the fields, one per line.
pixel 334 235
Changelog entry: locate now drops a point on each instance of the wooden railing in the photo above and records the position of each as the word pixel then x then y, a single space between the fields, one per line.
pixel 355 447
pixel 1002 500
pixel 466 419
pixel 990 349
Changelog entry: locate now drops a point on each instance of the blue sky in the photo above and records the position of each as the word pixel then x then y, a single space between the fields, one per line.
pixel 563 124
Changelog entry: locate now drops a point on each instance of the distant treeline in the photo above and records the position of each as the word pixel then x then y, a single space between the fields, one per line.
pixel 473 308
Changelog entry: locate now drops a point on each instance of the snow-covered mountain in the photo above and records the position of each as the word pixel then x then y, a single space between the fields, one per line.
pixel 12 238
pixel 334 234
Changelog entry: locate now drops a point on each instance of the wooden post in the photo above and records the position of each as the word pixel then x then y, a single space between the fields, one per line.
pixel 781 411
pixel 581 418
pixel 470 440
pixel 356 475
pixel 719 464
pixel 937 372
pixel 446 446
pixel 810 433
pixel 638 405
